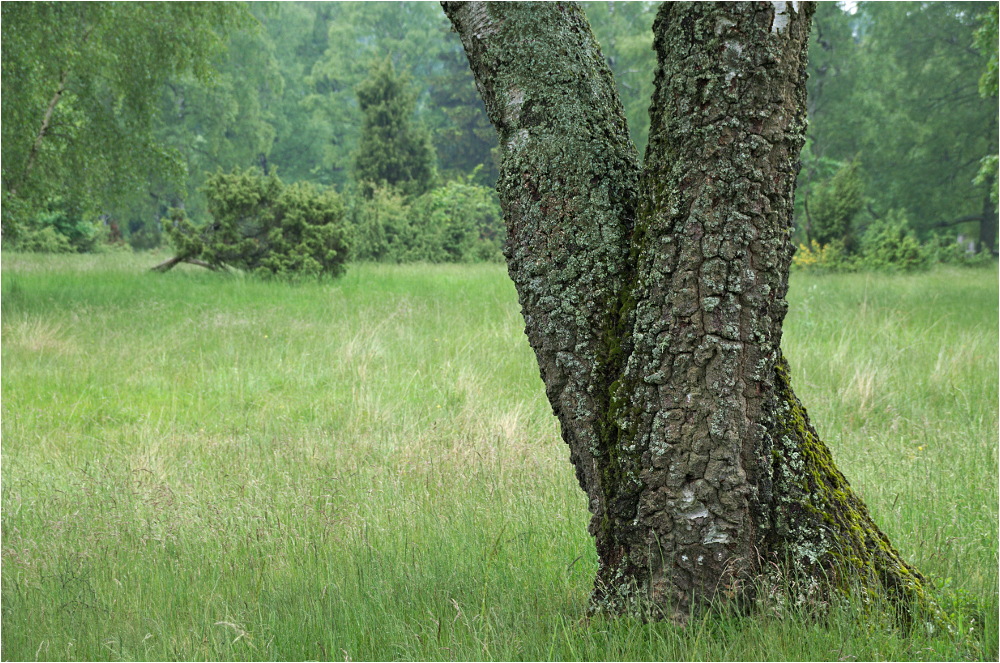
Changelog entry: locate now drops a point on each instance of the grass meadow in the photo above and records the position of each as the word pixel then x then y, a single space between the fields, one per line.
pixel 202 467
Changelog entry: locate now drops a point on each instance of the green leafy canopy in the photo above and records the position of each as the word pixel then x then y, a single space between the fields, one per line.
pixel 87 79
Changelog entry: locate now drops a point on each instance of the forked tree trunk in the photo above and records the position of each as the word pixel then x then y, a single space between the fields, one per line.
pixel 654 295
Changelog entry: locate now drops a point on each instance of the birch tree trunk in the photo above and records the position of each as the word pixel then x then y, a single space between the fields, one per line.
pixel 653 296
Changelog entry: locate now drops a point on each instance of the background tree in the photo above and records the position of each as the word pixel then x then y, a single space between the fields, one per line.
pixel 833 71
pixel 895 84
pixel 624 31
pixel 87 79
pixel 284 96
pixel 393 150
pixel 831 211
pixel 225 122
pixel 929 120
pixel 986 41
pixel 466 143
pixel 410 34
pixel 305 136
pixel 653 298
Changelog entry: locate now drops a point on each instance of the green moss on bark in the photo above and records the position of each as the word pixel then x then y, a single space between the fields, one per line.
pixel 816 524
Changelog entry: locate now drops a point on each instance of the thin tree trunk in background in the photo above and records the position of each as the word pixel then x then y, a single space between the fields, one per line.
pixel 42 131
pixel 654 299
pixel 170 263
pixel 988 223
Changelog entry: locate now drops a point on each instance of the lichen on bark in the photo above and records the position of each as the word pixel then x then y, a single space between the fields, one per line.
pixel 568 186
pixel 654 298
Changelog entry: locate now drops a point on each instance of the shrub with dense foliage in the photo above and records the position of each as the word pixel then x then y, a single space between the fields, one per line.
pixel 380 227
pixel 55 227
pixel 264 227
pixel 457 222
pixel 888 244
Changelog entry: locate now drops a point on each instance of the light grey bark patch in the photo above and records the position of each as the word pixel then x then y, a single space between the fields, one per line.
pixel 782 15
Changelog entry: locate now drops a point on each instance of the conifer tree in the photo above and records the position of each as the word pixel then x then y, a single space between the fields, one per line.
pixel 263 227
pixel 393 151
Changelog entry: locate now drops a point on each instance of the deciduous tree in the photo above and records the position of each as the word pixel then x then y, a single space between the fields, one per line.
pixel 896 85
pixel 81 82
pixel 654 295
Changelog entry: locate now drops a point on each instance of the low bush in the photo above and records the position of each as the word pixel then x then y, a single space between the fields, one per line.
pixel 55 228
pixel 43 240
pixel 380 227
pixel 145 235
pixel 821 257
pixel 888 245
pixel 457 222
pixel 264 227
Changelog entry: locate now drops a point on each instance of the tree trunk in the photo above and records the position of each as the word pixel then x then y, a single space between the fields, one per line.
pixel 43 131
pixel 653 297
pixel 988 222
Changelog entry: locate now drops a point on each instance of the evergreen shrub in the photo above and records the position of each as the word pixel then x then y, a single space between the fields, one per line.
pixel 57 228
pixel 264 227
pixel 942 248
pixel 145 236
pixel 43 240
pixel 889 244
pixel 457 222
pixel 380 227
pixel 835 205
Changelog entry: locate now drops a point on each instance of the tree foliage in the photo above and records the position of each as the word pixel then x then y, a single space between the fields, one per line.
pixel 625 32
pixel 224 122
pixel 834 206
pixel 457 222
pixel 393 150
pixel 87 78
pixel 157 97
pixel 897 84
pixel 465 143
pixel 986 41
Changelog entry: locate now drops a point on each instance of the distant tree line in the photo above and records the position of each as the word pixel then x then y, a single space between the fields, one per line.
pixel 901 156
pixel 127 113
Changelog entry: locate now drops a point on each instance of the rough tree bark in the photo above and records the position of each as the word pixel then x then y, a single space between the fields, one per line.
pixel 653 296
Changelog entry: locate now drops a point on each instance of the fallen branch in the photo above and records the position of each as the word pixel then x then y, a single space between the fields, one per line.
pixel 167 265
